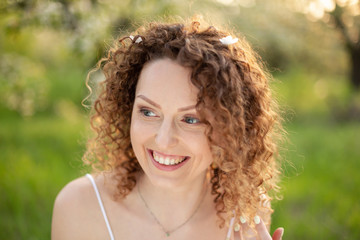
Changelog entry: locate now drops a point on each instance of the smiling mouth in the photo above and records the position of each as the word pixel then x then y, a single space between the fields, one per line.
pixel 168 160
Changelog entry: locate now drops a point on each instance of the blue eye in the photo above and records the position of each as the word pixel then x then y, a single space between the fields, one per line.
pixel 191 120
pixel 147 113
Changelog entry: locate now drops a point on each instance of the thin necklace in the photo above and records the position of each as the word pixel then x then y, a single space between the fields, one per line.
pixel 168 232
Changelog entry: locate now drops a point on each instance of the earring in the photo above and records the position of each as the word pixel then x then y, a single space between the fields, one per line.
pixel 214 165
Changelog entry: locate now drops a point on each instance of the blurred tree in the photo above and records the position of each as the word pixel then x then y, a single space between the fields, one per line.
pixel 349 26
pixel 43 39
pixel 87 22
pixel 344 16
pixel 73 34
pixel 283 37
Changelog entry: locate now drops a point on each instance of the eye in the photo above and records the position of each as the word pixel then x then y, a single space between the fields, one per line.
pixel 147 112
pixel 191 120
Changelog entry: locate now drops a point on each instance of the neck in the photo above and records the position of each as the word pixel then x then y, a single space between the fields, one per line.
pixel 172 206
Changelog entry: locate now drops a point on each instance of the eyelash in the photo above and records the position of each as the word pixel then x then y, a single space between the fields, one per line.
pixel 187 118
pixel 145 111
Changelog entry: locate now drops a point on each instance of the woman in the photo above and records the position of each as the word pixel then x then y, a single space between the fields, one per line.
pixel 186 134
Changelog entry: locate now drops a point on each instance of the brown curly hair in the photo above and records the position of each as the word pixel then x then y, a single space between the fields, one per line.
pixel 233 86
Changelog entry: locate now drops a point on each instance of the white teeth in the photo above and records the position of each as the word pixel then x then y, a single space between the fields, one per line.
pixel 167 160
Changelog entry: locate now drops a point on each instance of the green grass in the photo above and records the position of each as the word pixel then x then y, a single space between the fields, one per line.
pixel 38 156
pixel 321 191
pixel 41 154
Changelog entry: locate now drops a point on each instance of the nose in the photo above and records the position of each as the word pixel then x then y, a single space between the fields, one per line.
pixel 166 136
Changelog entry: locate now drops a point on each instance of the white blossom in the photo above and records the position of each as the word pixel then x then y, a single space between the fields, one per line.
pixel 138 40
pixel 228 40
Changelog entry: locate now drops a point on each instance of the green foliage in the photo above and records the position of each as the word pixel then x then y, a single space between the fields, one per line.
pixel 305 92
pixel 22 84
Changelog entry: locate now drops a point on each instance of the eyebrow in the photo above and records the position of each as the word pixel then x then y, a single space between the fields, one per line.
pixel 158 106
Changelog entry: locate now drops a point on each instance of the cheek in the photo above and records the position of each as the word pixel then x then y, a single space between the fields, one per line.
pixel 140 132
pixel 200 147
pixel 138 138
pixel 135 130
pixel 208 158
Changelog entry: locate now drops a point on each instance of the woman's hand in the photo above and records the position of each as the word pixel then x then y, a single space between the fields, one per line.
pixel 262 233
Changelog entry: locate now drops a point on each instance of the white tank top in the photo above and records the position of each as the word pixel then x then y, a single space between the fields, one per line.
pixel 107 220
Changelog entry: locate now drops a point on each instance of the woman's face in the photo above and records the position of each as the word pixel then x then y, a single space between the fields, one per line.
pixel 167 137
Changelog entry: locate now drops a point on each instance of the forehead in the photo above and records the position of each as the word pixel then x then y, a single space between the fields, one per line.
pixel 165 80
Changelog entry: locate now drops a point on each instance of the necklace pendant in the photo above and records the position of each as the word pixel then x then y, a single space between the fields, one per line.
pixel 167 234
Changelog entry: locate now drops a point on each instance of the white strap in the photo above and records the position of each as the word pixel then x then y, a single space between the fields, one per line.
pixel 101 205
pixel 230 228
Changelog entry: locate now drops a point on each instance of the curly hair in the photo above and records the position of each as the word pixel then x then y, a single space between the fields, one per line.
pixel 233 85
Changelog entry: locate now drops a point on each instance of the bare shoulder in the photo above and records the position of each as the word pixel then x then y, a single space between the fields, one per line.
pixel 75 211
pixel 74 191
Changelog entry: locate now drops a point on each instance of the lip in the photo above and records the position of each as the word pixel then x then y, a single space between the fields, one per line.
pixel 164 167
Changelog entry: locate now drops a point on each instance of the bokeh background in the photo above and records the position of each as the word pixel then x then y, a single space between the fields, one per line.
pixel 311 48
